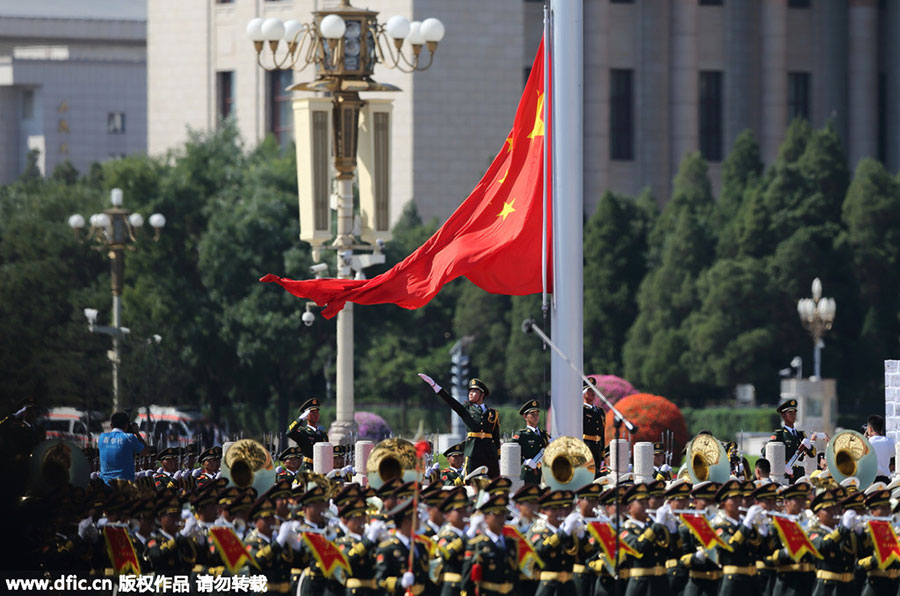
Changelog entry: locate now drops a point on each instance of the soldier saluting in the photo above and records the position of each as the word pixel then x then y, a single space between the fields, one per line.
pixel 532 441
pixel 483 439
pixel 306 432
pixel 792 437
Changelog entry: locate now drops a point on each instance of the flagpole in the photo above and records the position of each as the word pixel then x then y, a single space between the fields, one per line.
pixel 567 120
pixel 546 150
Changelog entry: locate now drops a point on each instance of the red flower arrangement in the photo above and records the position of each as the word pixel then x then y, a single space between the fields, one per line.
pixel 613 388
pixel 652 414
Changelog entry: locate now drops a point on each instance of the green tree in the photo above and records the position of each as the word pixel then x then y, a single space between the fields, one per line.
pixel 741 173
pixel 486 319
pixel 527 361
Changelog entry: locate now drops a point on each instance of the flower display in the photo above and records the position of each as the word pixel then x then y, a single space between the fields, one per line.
pixel 652 414
pixel 613 387
pixel 372 427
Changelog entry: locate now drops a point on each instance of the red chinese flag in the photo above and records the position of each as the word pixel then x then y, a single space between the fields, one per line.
pixel 121 550
pixel 885 540
pixel 493 238
pixel 794 539
pixel 703 532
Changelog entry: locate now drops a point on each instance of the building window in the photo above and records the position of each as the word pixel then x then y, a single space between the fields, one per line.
pixel 28 104
pixel 224 93
pixel 798 3
pixel 622 1
pixel 711 115
pixel 798 95
pixel 621 114
pixel 710 2
pixel 882 117
pixel 115 123
pixel 281 114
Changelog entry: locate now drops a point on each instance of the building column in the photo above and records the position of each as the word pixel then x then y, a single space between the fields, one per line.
pixel 741 87
pixel 891 53
pixel 685 83
pixel 862 81
pixel 596 103
pixel 829 78
pixel 773 117
pixel 652 139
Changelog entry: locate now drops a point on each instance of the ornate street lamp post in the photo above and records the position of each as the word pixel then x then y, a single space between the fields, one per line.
pixel 113 230
pixel 344 44
pixel 817 316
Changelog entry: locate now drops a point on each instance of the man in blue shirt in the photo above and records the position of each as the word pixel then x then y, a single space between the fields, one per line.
pixel 118 448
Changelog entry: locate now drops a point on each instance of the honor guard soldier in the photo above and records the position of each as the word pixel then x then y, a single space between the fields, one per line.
pixel 677 495
pixel 878 581
pixel 653 539
pixel 593 424
pixel 483 423
pixel 306 432
pixel 210 461
pixel 704 574
pixel 491 561
pixel 272 552
pixel 587 500
pixel 170 551
pixel 392 557
pixel 358 543
pixel 555 538
pixel 793 578
pixel 452 541
pixel 453 474
pixel 168 460
pixel 291 458
pixel 792 438
pixel 738 563
pixel 835 536
pixel 661 470
pixel 532 441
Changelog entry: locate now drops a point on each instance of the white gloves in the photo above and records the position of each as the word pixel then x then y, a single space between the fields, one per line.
pixel 408 579
pixel 348 470
pixel 751 515
pixel 788 471
pixel 701 555
pixel 304 415
pixel 178 474
pixel 573 524
pixel 430 381
pixel 190 526
pixel 806 443
pixel 196 473
pixel 87 530
pixel 285 533
pixel 474 523
pixel 665 518
pixel 375 530
pixel 435 467
pixel 528 463
pixel 850 520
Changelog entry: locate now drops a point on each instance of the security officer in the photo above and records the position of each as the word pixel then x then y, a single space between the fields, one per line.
pixel 452 540
pixel 306 432
pixel 165 475
pixel 704 574
pixel 738 563
pixel 292 458
pixel 453 474
pixel 593 421
pixel 490 565
pixel 555 539
pixel 792 437
pixel 532 441
pixel 392 557
pixel 653 538
pixel 272 552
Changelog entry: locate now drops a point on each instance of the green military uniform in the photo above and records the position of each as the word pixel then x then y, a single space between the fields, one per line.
pixel 483 438
pixel 593 425
pixel 555 548
pixel 452 476
pixel 532 441
pixel 791 437
pixel 739 563
pixel 654 542
pixel 792 578
pixel 583 574
pixel 452 545
pixel 306 436
pixel 392 558
pixel 878 581
pixel 530 576
pixel 765 573
pixel 163 480
pixel 360 553
pixel 838 547
pixel 313 582
pixel 676 572
pixel 273 560
pixel 490 562
pixel 285 473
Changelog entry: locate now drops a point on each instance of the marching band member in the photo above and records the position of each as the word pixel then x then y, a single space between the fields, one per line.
pixel 739 563
pixel 490 566
pixel 653 539
pixel 704 574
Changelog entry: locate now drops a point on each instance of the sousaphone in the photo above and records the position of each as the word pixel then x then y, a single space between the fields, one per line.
pixel 389 459
pixel 850 454
pixel 248 463
pixel 56 462
pixel 706 460
pixel 567 464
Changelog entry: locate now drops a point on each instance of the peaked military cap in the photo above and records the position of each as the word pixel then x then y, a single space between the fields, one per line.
pixel 211 453
pixel 454 499
pixel 289 453
pixel 403 509
pixel 855 501
pixel 496 504
pixel 479 472
pixel 314 494
pixel 479 384
pixel 529 493
pixel 636 492
pixel 348 492
pixel 589 491
pixel 768 490
pixel 433 495
pixel 355 506
pixel 142 507
pixel 747 488
pixel 788 404
pixel 244 502
pixel 229 495
pixel 678 489
pixel 824 499
pixel 167 503
pixel 387 489
pixel 798 490
pixel 658 448
pixel 498 485
pixel 878 498
pixel 310 404
pixel 705 490
pixel 279 490
pixel 530 406
pixel 168 452
pixel 657 488
pixel 454 450
pixel 263 507
pixel 405 490
pixel 209 493
pixel 557 498
pixel 731 488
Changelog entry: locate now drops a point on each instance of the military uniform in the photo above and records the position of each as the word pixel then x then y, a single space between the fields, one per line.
pixel 834 572
pixel 555 548
pixel 792 578
pixel 532 441
pixel 273 560
pixel 168 554
pixel 313 581
pixel 654 542
pixel 392 557
pixel 791 437
pixel 360 553
pixel 739 563
pixel 452 476
pixel 306 436
pixel 878 581
pixel 483 438
pixel 593 425
pixel 583 574
pixel 451 546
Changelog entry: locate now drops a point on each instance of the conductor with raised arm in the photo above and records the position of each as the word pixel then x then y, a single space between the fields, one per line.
pixel 483 424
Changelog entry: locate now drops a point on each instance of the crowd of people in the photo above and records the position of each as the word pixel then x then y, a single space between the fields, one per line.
pixel 461 528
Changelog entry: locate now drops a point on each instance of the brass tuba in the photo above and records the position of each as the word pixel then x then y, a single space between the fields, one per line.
pixel 706 460
pixel 56 462
pixel 567 464
pixel 247 463
pixel 850 454
pixel 391 458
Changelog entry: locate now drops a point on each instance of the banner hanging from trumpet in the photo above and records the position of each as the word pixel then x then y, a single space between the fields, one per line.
pixel 702 531
pixel 230 548
pixel 525 550
pixel 886 548
pixel 327 554
pixel 121 550
pixel 794 539
pixel 606 537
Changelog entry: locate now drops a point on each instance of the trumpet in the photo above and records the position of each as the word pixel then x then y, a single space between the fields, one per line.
pixel 768 513
pixel 885 518
pixel 681 511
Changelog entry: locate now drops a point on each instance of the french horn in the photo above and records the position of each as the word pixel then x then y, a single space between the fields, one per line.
pixel 248 463
pixel 706 460
pixel 850 454
pixel 567 464
pixel 392 458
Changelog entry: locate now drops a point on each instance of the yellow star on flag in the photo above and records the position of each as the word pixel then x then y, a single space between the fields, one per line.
pixel 502 180
pixel 509 141
pixel 507 209
pixel 538 130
